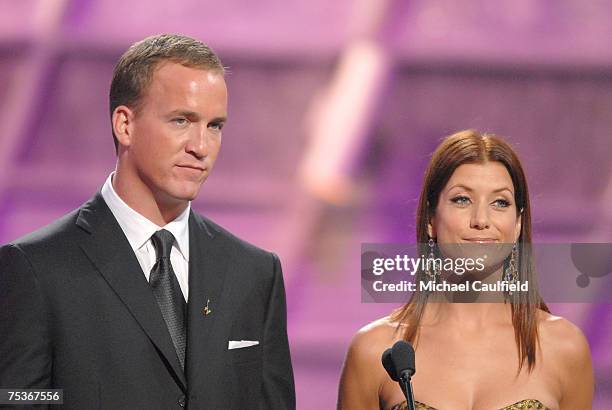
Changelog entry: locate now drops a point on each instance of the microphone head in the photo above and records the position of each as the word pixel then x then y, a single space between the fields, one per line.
pixel 402 355
pixel 387 362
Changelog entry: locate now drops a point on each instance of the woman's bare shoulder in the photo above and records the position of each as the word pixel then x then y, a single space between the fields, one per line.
pixel 566 352
pixel 561 339
pixel 557 328
pixel 362 372
pixel 382 327
pixel 372 339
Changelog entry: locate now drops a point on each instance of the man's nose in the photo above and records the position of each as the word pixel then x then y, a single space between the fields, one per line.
pixel 198 142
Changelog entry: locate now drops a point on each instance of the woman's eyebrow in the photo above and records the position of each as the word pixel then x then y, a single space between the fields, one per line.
pixel 504 189
pixel 467 188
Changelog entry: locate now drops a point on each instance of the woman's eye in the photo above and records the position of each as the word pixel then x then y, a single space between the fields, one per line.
pixel 461 200
pixel 502 203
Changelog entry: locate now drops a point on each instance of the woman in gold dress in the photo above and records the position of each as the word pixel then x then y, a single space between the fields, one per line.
pixel 480 356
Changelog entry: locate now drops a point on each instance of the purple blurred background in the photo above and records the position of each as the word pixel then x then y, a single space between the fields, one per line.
pixel 537 72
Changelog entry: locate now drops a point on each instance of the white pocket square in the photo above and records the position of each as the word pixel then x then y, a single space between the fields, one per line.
pixel 239 344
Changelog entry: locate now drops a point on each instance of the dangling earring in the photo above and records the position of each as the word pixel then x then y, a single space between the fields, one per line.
pixel 432 270
pixel 510 274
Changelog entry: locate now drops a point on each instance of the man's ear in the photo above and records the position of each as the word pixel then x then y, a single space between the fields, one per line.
pixel 123 124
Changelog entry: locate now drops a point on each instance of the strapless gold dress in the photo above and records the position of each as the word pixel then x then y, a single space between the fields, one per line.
pixel 529 404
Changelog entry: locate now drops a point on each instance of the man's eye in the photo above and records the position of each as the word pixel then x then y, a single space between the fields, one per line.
pixel 179 121
pixel 216 126
pixel 502 203
pixel 461 200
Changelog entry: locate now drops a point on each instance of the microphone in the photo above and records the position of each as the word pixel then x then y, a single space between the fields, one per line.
pixel 402 354
pixel 387 362
pixel 399 363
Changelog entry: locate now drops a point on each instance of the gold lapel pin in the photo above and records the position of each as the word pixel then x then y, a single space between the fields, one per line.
pixel 206 310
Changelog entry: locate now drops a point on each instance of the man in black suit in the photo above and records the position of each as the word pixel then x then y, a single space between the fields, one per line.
pixel 133 301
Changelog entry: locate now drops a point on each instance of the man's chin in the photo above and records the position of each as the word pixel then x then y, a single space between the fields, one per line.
pixel 184 193
pixel 186 196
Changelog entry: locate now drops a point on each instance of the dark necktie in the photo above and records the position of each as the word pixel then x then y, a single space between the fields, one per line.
pixel 168 292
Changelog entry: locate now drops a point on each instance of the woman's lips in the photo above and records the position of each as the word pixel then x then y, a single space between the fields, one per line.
pixel 480 240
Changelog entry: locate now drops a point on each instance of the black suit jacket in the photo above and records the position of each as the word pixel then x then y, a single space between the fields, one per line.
pixel 77 313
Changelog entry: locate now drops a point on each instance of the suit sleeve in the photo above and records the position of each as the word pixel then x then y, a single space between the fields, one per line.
pixel 25 348
pixel 278 385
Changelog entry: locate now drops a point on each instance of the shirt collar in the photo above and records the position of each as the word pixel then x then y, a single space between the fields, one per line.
pixel 139 229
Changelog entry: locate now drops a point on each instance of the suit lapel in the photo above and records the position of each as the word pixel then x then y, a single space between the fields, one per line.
pixel 110 252
pixel 208 257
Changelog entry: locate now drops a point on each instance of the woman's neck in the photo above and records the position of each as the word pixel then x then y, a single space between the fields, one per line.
pixel 467 315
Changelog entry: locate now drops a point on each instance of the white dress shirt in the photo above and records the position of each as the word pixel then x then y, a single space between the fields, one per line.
pixel 138 231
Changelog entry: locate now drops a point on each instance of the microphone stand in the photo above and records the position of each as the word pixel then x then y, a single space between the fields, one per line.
pixel 406 385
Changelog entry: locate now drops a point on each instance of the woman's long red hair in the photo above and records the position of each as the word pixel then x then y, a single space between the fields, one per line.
pixel 467 147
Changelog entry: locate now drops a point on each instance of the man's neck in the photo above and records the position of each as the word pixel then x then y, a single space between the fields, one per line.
pixel 139 197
